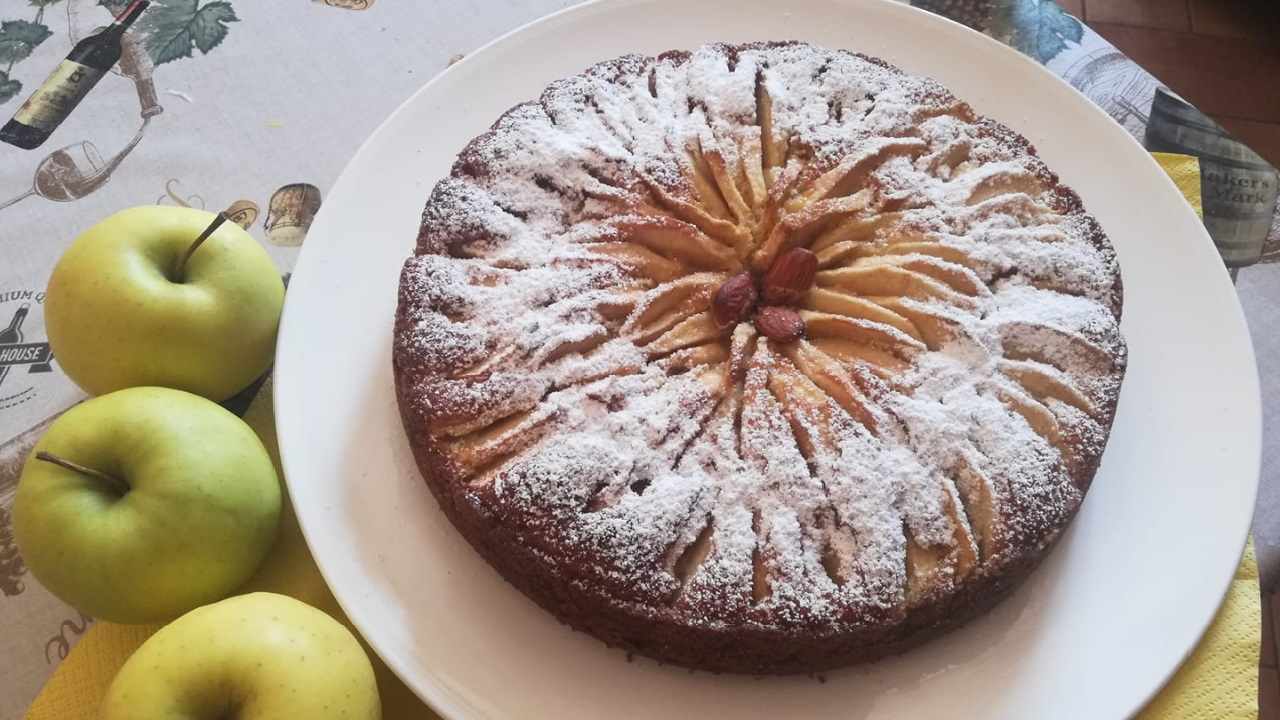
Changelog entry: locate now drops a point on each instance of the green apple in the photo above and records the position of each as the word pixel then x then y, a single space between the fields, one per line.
pixel 123 311
pixel 140 505
pixel 260 656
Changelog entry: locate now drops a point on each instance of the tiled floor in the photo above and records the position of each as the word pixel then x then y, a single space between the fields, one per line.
pixel 1223 56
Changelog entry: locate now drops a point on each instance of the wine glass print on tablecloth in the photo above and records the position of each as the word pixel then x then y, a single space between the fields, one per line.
pixel 165 33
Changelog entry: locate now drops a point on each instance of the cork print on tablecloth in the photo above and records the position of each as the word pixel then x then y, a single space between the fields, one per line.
pixel 254 107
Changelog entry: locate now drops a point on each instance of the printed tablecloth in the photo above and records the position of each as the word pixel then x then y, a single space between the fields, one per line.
pixel 223 101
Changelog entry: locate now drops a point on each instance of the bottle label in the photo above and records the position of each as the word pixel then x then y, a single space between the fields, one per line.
pixel 58 96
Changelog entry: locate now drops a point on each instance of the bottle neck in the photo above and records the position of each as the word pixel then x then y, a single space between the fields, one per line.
pixel 128 16
pixel 18 317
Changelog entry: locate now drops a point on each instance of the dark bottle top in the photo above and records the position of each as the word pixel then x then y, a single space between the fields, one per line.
pixel 91 58
pixel 12 335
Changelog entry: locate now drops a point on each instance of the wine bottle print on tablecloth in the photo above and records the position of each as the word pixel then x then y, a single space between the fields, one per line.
pixel 74 171
pixel 11 336
pixel 166 32
pixel 14 354
pixel 87 63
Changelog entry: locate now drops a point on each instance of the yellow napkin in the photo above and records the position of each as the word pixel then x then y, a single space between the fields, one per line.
pixel 1219 681
pixel 1185 172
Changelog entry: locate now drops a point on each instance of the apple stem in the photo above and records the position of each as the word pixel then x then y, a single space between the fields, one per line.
pixel 213 226
pixel 118 486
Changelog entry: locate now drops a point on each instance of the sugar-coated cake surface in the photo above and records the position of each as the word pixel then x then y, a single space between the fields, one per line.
pixel 597 399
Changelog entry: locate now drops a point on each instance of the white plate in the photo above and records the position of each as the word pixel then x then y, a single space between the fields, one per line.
pixel 1094 632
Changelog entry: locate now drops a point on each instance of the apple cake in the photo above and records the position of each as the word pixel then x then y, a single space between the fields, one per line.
pixel 762 358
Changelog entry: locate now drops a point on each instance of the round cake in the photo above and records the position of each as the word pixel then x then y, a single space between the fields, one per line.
pixel 762 358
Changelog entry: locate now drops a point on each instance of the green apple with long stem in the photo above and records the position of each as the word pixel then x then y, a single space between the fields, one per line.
pixel 140 505
pixel 164 296
pixel 260 656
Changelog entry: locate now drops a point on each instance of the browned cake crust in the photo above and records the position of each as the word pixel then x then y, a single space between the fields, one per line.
pixel 700 489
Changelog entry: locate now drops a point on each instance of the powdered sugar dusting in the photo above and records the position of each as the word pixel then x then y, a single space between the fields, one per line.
pixel 552 335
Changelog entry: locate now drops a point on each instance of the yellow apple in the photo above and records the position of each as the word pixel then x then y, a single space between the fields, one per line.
pixel 121 313
pixel 164 501
pixel 260 656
